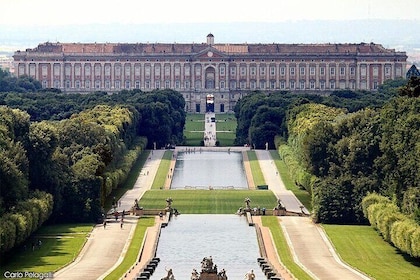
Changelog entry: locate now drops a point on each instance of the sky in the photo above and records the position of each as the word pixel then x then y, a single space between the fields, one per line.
pixel 56 13
pixel 27 23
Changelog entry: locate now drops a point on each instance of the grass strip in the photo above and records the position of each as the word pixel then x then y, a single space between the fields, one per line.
pixel 133 250
pixel 255 168
pixel 283 249
pixel 301 194
pixel 207 201
pixel 60 245
pixel 162 172
pixel 363 248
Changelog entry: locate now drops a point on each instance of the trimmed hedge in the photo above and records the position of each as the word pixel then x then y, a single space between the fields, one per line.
pixel 28 216
pixel 118 173
pixel 394 226
pixel 301 177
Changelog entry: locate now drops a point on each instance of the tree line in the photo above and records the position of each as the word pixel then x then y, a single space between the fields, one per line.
pixel 64 166
pixel 342 146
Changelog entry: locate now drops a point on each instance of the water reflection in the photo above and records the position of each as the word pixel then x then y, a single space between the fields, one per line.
pixel 206 169
pixel 189 238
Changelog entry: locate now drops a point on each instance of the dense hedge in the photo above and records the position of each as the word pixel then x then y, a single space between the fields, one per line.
pixel 395 227
pixel 118 174
pixel 28 216
pixel 301 177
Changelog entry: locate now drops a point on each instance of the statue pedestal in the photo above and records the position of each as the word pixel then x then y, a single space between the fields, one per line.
pixel 208 276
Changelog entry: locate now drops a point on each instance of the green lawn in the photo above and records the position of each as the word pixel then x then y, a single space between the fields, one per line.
pixel 255 169
pixel 134 248
pixel 363 248
pixel 303 196
pixel 60 245
pixel 194 127
pixel 226 129
pixel 162 171
pixel 282 248
pixel 207 201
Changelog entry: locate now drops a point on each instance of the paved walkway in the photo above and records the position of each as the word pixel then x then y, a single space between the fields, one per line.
pixel 209 130
pixel 106 248
pixel 310 246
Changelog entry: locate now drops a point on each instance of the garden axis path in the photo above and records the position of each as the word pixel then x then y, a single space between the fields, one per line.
pixel 311 248
pixel 106 247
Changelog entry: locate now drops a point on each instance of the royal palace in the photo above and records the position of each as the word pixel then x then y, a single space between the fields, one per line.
pixel 197 70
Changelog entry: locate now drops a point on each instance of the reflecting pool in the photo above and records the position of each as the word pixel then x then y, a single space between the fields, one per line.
pixel 206 169
pixel 228 239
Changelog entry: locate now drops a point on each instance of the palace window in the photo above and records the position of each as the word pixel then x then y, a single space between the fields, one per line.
pixel 157 70
pixel 243 70
pixel 107 84
pixel 332 71
pixel 157 84
pixel 187 84
pixel 167 84
pixel 262 84
pixel 262 70
pixel 222 84
pixel 342 71
pixel 302 71
pixel 292 71
pixel 322 71
pixel 342 84
pixel 177 70
pixel 387 71
pixel 118 84
pixel 253 70
pixel 272 84
pixel 97 84
pixel 292 84
pixel 44 83
pixel 127 84
pixel 312 84
pixel 177 84
pixel 97 70
pixel 375 85
pixel 233 71
pixel 187 70
pixel 167 70
pixel 87 84
pixel 137 70
pixel 67 70
pixel 137 84
pixel 375 71
pixel 56 70
pixel 332 84
pixel 44 71
pixel 68 83
pixel 322 85
pixel 147 71
pixel 108 70
pixel 282 84
pixel 198 70
pixel 272 70
pixel 233 84
pixel 253 85
pixel 352 71
pixel 312 71
pixel 77 70
pixel 57 84
pixel 87 70
pixel 242 84
pixel 222 70
pixel 147 84
pixel 127 70
pixel 282 71
pixel 197 84
pixel 363 70
pixel 302 84
pixel 117 70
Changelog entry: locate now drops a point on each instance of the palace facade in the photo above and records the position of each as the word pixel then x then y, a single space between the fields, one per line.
pixel 226 71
